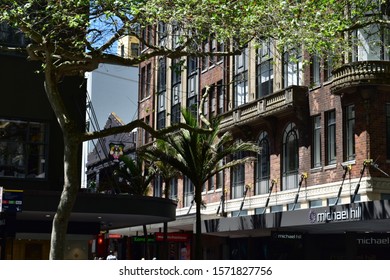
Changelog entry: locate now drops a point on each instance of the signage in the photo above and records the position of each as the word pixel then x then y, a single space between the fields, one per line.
pixel 116 151
pixel 12 200
pixel 287 235
pixel 114 236
pixel 173 237
pixel 138 239
pixel 327 216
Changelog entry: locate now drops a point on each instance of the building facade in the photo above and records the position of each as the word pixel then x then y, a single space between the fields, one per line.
pixel 322 178
pixel 32 168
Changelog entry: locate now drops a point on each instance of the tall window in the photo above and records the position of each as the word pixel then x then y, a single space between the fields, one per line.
pixel 23 149
pixel 188 194
pixel 145 80
pixel 371 43
pixel 349 132
pixel 161 88
pixel 176 92
pixel 157 186
pixel 316 142
pixel 192 85
pixel 220 177
pixel 221 98
pixel 238 177
pixel 330 122
pixel 290 157
pixel 263 165
pixel 292 68
pixel 388 130
pixel 173 190
pixel 315 67
pixel 265 73
pixel 241 93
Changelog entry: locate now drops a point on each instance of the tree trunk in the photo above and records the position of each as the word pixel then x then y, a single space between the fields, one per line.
pixel 198 224
pixel 67 200
pixel 71 162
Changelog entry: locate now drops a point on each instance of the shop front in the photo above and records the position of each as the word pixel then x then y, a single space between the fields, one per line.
pixel 350 231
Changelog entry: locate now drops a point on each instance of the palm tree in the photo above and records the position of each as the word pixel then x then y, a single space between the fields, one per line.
pixel 137 178
pixel 197 154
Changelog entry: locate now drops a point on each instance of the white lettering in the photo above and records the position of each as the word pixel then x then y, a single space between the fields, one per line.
pixel 352 214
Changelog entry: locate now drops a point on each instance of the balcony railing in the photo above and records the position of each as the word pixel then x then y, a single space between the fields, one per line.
pixel 360 73
pixel 277 103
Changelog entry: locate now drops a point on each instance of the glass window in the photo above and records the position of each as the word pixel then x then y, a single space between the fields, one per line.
pixel 23 149
pixel 315 203
pixel 263 165
pixel 388 130
pixel 349 132
pixel 173 190
pixel 315 64
pixel 238 177
pixel 176 85
pixel 316 144
pixel 330 118
pixel 188 192
pixel 157 187
pixel 290 157
pixel 241 92
pixel 276 208
pixel 292 68
pixel 265 75
pixel 192 85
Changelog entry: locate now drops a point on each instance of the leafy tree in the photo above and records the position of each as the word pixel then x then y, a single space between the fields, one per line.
pixel 71 37
pixel 197 155
pixel 138 179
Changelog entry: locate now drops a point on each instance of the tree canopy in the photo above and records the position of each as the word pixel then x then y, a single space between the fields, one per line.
pixel 70 37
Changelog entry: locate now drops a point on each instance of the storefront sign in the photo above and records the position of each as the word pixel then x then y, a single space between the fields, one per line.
pixel 12 201
pixel 287 235
pixel 331 216
pixel 172 237
pixel 138 239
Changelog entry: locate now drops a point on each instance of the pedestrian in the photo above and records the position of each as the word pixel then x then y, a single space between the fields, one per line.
pixel 111 256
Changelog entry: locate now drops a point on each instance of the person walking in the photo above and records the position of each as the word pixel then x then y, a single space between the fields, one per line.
pixel 111 256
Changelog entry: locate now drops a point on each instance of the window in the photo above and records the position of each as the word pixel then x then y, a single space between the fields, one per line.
pixel 388 130
pixel 221 98
pixel 23 149
pixel 145 81
pixel 161 88
pixel 328 68
pixel 293 206
pixel 173 190
pixel 349 133
pixel 238 177
pixel 290 157
pixel 161 110
pixel 292 68
pixel 276 208
pixel 331 201
pixel 134 49
pixel 370 43
pixel 315 66
pixel 157 186
pixel 263 165
pixel 315 203
pixel 220 177
pixel 265 75
pixel 192 85
pixel 241 93
pixel 316 143
pixel 175 92
pixel 330 119
pixel 188 192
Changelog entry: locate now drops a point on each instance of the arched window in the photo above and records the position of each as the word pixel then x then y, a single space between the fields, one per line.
pixel 263 165
pixel 290 157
